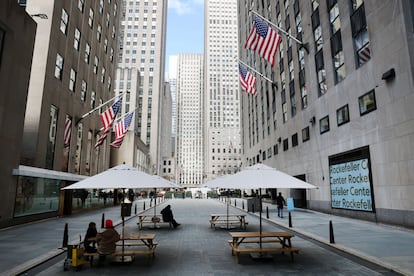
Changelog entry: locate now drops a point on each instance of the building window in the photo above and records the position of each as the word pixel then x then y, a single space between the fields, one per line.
pixel 90 20
pixel 305 134
pixel 360 33
pixel 50 149
pixel 83 91
pixel 64 19
pixel 72 80
pixel 275 149
pixel 324 125
pixel 295 140
pixel 284 106
pixel 285 144
pixel 304 96
pixel 336 42
pixel 367 103
pixel 342 115
pixel 59 67
pixel 87 52
pixel 95 65
pixel 93 99
pixel 103 75
pixel 81 5
pixel 78 148
pixel 76 40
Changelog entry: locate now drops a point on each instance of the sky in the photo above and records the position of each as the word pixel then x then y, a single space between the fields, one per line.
pixel 185 28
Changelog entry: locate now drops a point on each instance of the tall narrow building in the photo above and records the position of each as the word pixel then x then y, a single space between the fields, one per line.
pixel 140 76
pixel 222 96
pixel 189 144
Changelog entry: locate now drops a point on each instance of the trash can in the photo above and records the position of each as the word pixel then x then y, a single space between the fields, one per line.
pixel 126 209
pixel 253 202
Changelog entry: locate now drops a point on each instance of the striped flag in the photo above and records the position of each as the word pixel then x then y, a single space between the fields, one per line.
pixel 364 54
pixel 264 40
pixel 103 137
pixel 68 131
pixel 109 115
pixel 121 129
pixel 247 80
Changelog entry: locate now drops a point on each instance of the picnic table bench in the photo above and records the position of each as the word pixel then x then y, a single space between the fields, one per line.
pixel 152 220
pixel 228 221
pixel 263 239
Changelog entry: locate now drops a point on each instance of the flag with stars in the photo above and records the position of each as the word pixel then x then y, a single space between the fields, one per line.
pixel 247 80
pixel 264 40
pixel 109 115
pixel 121 129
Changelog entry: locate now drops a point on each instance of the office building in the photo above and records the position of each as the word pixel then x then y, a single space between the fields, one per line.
pixel 339 114
pixel 189 139
pixel 140 75
pixel 72 73
pixel 222 97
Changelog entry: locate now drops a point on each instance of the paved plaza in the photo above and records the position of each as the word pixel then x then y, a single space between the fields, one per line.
pixel 196 249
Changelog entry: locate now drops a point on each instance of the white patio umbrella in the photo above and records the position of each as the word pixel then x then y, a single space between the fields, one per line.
pixel 123 177
pixel 259 177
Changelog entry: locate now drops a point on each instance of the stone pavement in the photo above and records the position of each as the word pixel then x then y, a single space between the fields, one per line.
pixel 196 249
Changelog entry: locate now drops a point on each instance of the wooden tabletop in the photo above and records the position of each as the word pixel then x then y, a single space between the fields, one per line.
pixel 228 215
pixel 143 236
pixel 263 234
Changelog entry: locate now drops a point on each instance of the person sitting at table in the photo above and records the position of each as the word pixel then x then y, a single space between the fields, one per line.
pixel 167 216
pixel 89 241
pixel 107 241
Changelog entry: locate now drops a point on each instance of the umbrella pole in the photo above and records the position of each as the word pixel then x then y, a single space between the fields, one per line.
pixel 260 206
pixel 228 198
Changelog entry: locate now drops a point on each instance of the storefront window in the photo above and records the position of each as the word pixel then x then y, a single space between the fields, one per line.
pixel 36 195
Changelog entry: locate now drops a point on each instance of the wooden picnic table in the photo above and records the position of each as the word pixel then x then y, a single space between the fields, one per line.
pixel 152 220
pixel 261 242
pixel 228 220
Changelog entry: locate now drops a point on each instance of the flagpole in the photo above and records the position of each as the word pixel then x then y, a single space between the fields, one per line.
pixel 96 108
pixel 304 45
pixel 257 72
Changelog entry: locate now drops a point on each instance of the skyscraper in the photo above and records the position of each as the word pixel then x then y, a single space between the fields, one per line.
pixel 189 142
pixel 140 73
pixel 222 97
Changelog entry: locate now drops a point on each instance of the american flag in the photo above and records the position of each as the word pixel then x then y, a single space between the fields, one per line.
pixel 364 54
pixel 68 131
pixel 109 115
pixel 264 40
pixel 247 80
pixel 121 128
pixel 102 137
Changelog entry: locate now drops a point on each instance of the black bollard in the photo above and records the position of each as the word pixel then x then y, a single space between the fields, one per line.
pixel 135 208
pixel 290 220
pixel 267 212
pixel 144 206
pixel 235 203
pixel 103 221
pixel 65 236
pixel 151 203
pixel 331 233
pixel 243 204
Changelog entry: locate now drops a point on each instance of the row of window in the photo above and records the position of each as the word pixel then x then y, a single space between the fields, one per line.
pixel 366 103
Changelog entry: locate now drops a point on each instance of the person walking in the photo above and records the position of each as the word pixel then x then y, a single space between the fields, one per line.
pixel 280 202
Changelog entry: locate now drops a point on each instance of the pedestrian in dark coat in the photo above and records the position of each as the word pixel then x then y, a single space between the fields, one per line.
pixel 280 201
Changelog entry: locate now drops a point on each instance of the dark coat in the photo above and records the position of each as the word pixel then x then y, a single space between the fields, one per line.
pixel 167 214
